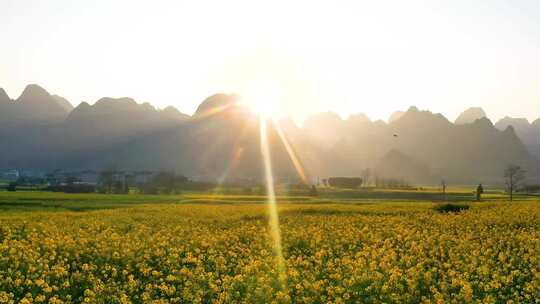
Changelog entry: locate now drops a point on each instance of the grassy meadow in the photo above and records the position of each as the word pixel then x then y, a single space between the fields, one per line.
pixel 337 247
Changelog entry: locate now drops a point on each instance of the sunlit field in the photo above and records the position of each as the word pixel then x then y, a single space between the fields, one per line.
pixel 218 249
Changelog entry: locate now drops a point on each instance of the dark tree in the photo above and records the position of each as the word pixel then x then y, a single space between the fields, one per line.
pixel 479 192
pixel 345 182
pixel 514 176
pixel 166 182
pixel 149 188
pixel 106 180
pixel 12 187
pixel 120 187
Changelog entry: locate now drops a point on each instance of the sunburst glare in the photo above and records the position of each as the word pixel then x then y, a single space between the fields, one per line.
pixel 263 96
pixel 292 154
pixel 271 200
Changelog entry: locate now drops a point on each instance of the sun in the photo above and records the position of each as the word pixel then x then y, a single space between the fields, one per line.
pixel 263 98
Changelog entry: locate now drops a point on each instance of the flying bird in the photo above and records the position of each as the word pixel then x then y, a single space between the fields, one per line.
pixel 395 135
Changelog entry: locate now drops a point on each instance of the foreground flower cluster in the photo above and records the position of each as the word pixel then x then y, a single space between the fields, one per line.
pixel 378 253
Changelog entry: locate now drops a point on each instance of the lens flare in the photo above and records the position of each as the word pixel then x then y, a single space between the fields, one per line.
pixel 292 154
pixel 271 200
pixel 263 97
pixel 232 164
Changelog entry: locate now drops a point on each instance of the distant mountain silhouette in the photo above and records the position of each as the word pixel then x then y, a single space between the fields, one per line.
pixel 35 105
pixel 218 103
pixel 171 113
pixel 221 140
pixel 64 103
pixel 470 115
pixel 114 120
pixel 4 98
pixel 395 116
pixel 520 124
pixel 528 132
pixel 454 152
pixel 70 139
pixel 359 118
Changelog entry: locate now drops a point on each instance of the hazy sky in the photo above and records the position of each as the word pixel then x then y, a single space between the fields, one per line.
pixel 348 56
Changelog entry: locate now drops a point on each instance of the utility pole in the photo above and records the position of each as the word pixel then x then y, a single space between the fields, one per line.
pixel 443 184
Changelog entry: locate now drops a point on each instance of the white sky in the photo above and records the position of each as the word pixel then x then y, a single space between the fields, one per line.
pixel 373 57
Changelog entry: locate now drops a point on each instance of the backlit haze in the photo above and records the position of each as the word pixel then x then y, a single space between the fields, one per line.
pixel 284 57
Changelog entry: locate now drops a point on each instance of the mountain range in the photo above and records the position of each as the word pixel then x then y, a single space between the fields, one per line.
pixel 528 132
pixel 221 140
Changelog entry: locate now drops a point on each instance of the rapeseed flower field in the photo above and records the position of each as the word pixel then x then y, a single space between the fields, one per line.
pixel 222 253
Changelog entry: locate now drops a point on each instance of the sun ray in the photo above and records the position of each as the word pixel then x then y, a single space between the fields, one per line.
pixel 235 157
pixel 292 154
pixel 271 200
pixel 263 96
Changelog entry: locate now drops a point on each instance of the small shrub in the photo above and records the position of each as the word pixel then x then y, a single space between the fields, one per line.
pixel 313 191
pixel 445 208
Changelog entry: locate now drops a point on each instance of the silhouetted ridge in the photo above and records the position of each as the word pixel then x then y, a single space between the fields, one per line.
pixel 413 117
pixel 34 106
pixel 510 130
pixel 518 123
pixel 171 110
pixel 172 113
pixel 223 136
pixel 64 103
pixel 4 98
pixel 483 122
pixel 217 103
pixel 116 103
pixel 125 111
pixel 413 109
pixel 395 116
pixel 358 118
pixel 33 93
pixel 470 115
